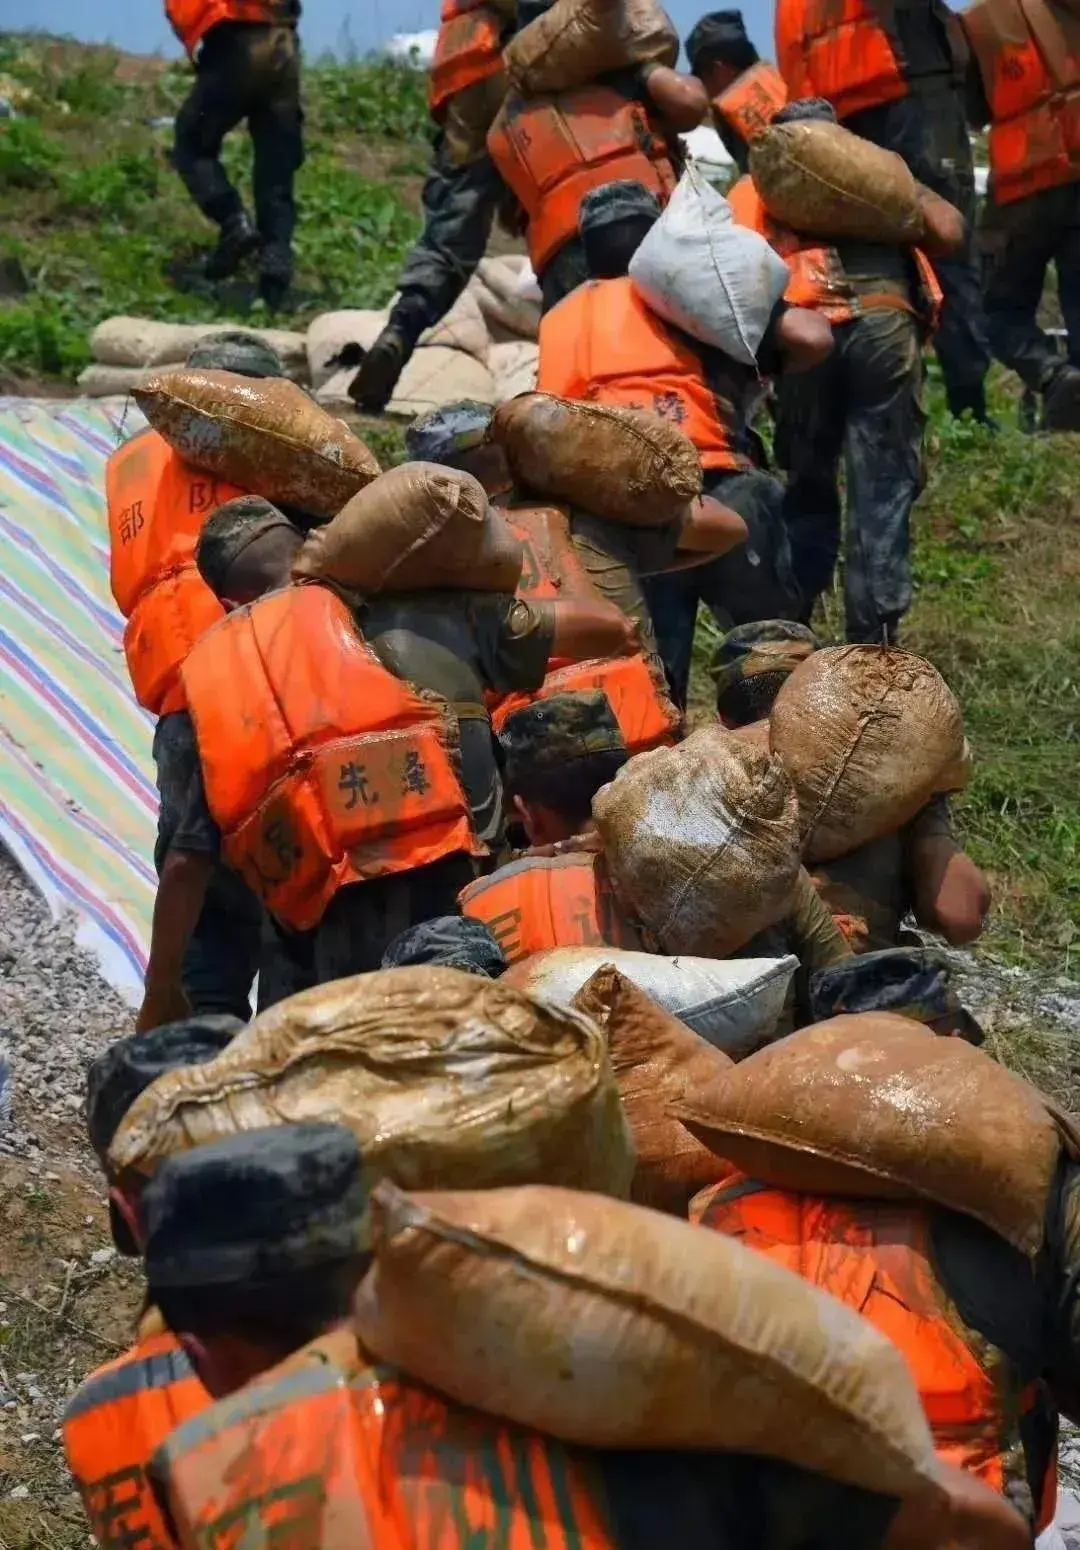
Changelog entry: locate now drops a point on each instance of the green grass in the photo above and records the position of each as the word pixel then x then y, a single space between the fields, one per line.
pixel 92 209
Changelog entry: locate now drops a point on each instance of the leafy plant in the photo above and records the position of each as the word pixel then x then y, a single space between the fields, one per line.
pixel 29 157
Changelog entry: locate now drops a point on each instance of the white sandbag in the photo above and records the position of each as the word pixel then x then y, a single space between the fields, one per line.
pixel 495 289
pixel 332 332
pixel 336 342
pixel 132 341
pixel 463 328
pixel 434 376
pixel 734 1003
pixel 97 381
pixel 717 281
pixel 514 366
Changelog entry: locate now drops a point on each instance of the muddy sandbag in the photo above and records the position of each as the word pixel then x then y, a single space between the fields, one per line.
pixel 732 1003
pixel 447 1080
pixel 265 435
pixel 605 1324
pixel 657 1063
pixel 701 842
pixel 575 42
pixel 623 465
pixel 133 341
pixel 414 523
pixel 868 734
pixel 819 178
pixel 876 1105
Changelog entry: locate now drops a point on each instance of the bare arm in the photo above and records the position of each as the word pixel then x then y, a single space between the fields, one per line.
pixel 181 892
pixel 710 528
pixel 951 895
pixel 681 100
pixel 584 630
pixel 804 339
pixel 944 228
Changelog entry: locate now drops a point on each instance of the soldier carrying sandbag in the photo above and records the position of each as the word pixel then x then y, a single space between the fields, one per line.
pixel 745 91
pixel 247 66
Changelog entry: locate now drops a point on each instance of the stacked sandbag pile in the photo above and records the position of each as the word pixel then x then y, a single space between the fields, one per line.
pixel 127 349
pixel 483 349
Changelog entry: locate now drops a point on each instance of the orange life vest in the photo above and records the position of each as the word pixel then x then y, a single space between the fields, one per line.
pixel 601 343
pixel 818 280
pixel 191 20
pixel 331 1454
pixel 552 150
pixel 639 702
pixel 112 1427
pixel 752 101
pixel 875 1257
pixel 321 768
pixel 841 50
pixel 541 902
pixel 157 506
pixel 1029 58
pixel 551 567
pixel 468 49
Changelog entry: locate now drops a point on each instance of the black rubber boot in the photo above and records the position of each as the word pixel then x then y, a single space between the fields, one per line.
pixel 969 398
pixel 238 240
pixel 373 386
pixel 1061 400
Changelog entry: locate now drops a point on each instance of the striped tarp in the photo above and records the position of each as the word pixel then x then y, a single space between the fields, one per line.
pixel 78 802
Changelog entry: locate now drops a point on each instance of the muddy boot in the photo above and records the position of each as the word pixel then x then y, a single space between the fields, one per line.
pixel 275 277
pixel 373 386
pixel 238 239
pixel 1061 400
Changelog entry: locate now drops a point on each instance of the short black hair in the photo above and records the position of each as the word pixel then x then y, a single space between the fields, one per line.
pixel 569 789
pixel 281 1312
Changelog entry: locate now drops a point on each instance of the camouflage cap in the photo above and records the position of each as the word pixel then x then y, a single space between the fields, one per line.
pixel 245 354
pixel 768 650
pixel 554 732
pixel 253 1206
pixel 451 942
pixel 721 36
pixel 624 199
pixel 229 531
pixel 116 1078
pixel 447 432
pixel 911 981
pixel 806 110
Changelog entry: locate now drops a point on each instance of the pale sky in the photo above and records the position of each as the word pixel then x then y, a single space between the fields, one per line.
pixel 140 26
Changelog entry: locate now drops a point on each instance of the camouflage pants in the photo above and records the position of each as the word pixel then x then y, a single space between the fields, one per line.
pixel 459 207
pixel 1019 243
pixel 245 71
pixel 863 405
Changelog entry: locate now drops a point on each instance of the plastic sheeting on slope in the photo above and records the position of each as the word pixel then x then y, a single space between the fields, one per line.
pixel 78 800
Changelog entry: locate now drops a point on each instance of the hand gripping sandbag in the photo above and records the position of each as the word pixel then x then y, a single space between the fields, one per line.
pixel 701 842
pixel 605 1324
pixel 732 1003
pixel 419 525
pixel 624 465
pixel 266 435
pixel 658 1063
pixel 868 734
pixel 717 281
pixel 821 179
pixel 575 42
pixel 875 1105
pixel 446 1080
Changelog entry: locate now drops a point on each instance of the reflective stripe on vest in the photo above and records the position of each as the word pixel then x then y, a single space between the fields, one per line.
pixel 752 101
pixel 468 49
pixel 332 1458
pixel 321 768
pixel 542 902
pixel 601 343
pixel 157 506
pixel 1029 59
pixel 818 280
pixel 840 50
pixel 638 700
pixel 552 151
pixel 112 1427
pixel 875 1257
pixel 191 20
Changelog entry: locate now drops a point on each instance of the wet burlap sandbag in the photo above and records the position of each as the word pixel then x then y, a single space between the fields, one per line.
pixel 868 734
pixel 624 465
pixel 419 525
pixel 448 1081
pixel 821 179
pixel 575 42
pixel 657 1062
pixel 265 435
pixel 602 1323
pixel 876 1105
pixel 701 842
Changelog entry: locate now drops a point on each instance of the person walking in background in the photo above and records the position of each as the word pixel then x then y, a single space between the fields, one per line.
pixel 1025 83
pixel 247 66
pixel 745 91
pixel 896 75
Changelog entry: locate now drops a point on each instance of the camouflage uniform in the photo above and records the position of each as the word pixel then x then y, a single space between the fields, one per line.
pixel 751 664
pixel 555 733
pixel 448 942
